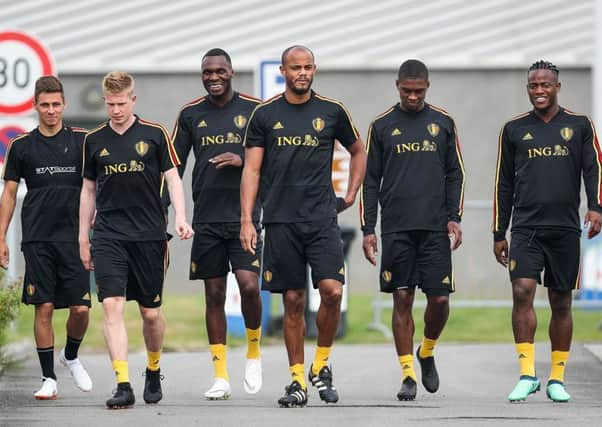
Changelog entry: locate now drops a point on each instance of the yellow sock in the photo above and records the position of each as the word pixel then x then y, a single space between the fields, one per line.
pixel 253 340
pixel 407 366
pixel 320 359
pixel 218 355
pixel 153 360
pixel 121 370
pixel 298 374
pixel 427 347
pixel 559 359
pixel 526 358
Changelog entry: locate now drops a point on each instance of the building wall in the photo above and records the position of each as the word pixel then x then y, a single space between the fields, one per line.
pixel 479 100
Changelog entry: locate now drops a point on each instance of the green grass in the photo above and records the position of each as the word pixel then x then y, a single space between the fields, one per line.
pixel 186 325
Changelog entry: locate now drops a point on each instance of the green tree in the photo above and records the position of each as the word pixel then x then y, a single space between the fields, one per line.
pixel 9 310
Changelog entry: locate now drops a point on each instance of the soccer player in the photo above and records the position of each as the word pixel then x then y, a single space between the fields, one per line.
pixel 541 157
pixel 289 145
pixel 415 172
pixel 213 126
pixel 49 159
pixel 124 162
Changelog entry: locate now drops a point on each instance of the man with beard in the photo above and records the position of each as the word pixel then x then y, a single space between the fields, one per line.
pixel 541 157
pixel 289 146
pixel 213 126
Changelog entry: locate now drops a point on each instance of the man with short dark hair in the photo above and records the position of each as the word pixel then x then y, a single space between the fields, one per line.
pixel 213 127
pixel 541 157
pixel 49 159
pixel 125 162
pixel 415 172
pixel 289 146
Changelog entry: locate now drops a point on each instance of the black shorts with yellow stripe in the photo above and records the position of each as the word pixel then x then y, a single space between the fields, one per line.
pixel 54 273
pixel 291 247
pixel 417 258
pixel 216 247
pixel 131 269
pixel 554 251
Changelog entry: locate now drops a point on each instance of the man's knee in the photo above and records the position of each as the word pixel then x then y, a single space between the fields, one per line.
pixel 44 311
pixel 331 295
pixel 438 302
pixel 151 315
pixel 79 311
pixel 560 302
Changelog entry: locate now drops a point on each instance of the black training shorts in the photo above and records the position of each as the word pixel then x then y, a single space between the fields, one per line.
pixel 132 269
pixel 290 247
pixel 417 258
pixel 54 273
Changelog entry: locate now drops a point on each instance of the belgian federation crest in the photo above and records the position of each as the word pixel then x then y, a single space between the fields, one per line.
pixel 31 289
pixel 566 133
pixel 141 148
pixel 267 276
pixel 240 121
pixel 387 276
pixel 433 129
pixel 318 124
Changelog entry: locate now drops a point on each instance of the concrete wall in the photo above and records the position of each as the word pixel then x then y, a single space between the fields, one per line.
pixel 479 100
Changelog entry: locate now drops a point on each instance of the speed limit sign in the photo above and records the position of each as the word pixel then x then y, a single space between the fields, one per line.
pixel 23 60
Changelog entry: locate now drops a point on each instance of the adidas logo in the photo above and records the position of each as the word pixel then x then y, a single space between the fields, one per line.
pixel 406 366
pixel 522 356
pixel 395 132
pixel 278 125
pixel 86 296
pixel 254 340
pixel 342 271
pixel 527 137
pixel 157 298
pixel 202 124
pixel 104 152
pixel 255 263
pixel 214 358
pixel 560 364
pixel 446 280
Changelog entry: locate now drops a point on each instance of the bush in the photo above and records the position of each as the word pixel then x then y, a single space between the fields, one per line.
pixel 10 302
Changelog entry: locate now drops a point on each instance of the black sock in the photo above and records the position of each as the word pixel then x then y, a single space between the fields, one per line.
pixel 46 356
pixel 71 348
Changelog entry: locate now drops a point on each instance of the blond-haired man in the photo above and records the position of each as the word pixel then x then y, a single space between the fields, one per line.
pixel 125 160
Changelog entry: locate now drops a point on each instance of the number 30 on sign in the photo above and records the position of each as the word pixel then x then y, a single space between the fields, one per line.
pixel 23 60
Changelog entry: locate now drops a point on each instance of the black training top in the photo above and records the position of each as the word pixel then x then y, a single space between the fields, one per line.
pixel 538 174
pixel 415 171
pixel 128 173
pixel 51 168
pixel 299 141
pixel 211 130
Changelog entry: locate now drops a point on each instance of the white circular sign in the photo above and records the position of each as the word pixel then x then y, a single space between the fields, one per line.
pixel 23 60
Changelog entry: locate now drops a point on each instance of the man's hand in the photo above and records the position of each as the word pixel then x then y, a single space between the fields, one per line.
pixel 226 159
pixel 248 237
pixel 183 229
pixel 593 220
pixel 4 254
pixel 85 256
pixel 370 246
pixel 454 231
pixel 500 250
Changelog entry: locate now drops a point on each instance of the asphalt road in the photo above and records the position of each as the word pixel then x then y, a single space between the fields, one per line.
pixel 475 380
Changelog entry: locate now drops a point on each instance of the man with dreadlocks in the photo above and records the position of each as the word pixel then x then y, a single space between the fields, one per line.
pixel 541 155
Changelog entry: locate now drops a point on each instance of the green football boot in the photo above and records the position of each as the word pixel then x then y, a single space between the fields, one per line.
pixel 556 391
pixel 526 385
